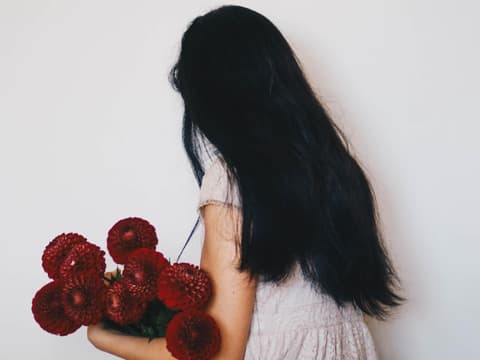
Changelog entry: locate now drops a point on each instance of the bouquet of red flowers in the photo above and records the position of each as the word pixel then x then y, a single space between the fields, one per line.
pixel 150 298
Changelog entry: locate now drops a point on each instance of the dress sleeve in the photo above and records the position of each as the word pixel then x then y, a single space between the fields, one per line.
pixel 214 187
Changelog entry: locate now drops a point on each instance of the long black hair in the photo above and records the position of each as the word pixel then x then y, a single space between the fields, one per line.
pixel 304 196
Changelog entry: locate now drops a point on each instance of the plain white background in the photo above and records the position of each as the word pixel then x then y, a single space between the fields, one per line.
pixel 90 133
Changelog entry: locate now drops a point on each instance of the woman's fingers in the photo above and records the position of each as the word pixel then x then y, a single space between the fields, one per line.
pixel 109 275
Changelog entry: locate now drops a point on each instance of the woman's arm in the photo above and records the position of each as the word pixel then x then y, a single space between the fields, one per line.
pixel 231 305
pixel 233 293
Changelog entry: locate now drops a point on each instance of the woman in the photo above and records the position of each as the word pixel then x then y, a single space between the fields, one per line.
pixel 291 238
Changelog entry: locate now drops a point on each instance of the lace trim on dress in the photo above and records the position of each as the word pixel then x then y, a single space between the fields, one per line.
pixel 214 188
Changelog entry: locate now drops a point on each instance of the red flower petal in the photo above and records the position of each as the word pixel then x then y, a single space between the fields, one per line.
pixel 193 334
pixel 57 250
pixel 84 257
pixel 48 310
pixel 122 307
pixel 141 272
pixel 182 286
pixel 83 298
pixel 128 235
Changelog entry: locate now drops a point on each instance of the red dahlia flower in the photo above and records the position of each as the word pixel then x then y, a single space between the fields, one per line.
pixel 83 298
pixel 141 272
pixel 182 286
pixel 84 257
pixel 57 250
pixel 193 334
pixel 122 307
pixel 48 310
pixel 128 235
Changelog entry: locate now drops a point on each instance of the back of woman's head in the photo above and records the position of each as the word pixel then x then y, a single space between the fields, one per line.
pixel 304 196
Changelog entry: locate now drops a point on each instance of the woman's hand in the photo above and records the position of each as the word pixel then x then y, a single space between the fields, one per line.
pixel 127 347
pixel 99 336
pixel 109 275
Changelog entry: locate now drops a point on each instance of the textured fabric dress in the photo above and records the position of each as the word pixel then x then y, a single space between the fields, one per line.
pixel 291 320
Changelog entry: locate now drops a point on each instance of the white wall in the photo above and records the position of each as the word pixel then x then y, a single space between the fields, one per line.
pixel 90 133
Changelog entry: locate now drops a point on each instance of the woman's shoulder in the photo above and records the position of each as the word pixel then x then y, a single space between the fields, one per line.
pixel 215 186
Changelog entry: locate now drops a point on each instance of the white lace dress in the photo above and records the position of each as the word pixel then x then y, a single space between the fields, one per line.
pixel 291 320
